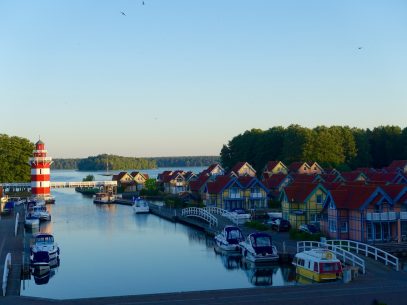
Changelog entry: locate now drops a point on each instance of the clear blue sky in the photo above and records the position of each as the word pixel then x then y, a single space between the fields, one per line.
pixel 183 77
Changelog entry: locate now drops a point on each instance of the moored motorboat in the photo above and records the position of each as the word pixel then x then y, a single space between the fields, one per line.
pixel 31 222
pixel 103 198
pixel 318 265
pixel 229 238
pixel 258 247
pixel 44 251
pixel 141 206
pixel 41 212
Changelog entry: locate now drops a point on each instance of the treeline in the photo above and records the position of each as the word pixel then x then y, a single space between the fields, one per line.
pixel 14 154
pixel 341 147
pixel 65 163
pixel 118 162
pixel 185 161
pixel 113 162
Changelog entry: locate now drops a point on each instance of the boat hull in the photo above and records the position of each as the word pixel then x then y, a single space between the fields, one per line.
pixel 141 210
pixel 317 277
pixel 226 246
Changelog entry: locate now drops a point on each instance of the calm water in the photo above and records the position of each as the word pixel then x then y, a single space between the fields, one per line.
pixel 107 250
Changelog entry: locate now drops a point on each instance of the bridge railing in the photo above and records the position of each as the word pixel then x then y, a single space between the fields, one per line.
pixel 345 256
pixel 232 217
pixel 16 223
pixel 7 266
pixel 368 251
pixel 200 213
pixel 82 184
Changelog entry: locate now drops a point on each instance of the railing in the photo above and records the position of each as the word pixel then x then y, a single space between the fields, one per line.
pixel 16 224
pixel 385 216
pixel 83 184
pixel 7 266
pixel 344 256
pixel 403 215
pixel 224 213
pixel 234 196
pixel 200 213
pixel 367 250
pixel 256 195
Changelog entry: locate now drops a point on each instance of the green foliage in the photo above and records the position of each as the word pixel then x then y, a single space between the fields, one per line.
pixel 341 147
pixel 14 155
pixel 174 203
pixel 65 163
pixel 275 204
pixel 151 184
pixel 184 161
pixel 89 178
pixel 256 225
pixel 300 235
pixel 100 162
pixel 112 162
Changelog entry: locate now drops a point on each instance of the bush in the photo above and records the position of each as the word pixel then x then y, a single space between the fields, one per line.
pixel 174 202
pixel 256 225
pixel 300 235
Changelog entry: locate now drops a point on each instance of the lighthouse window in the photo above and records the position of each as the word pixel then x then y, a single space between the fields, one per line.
pixel 40 171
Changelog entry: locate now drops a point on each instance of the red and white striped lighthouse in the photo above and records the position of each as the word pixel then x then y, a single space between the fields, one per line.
pixel 40 172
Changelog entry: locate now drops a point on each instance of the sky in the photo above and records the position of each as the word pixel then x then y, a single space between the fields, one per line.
pixel 182 77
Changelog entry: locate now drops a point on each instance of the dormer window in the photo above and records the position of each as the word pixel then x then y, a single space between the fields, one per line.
pixel 305 168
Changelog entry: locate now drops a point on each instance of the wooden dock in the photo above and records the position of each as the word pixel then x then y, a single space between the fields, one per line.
pixel 14 245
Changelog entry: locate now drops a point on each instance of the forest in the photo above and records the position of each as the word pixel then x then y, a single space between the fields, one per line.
pixel 341 147
pixel 14 155
pixel 118 162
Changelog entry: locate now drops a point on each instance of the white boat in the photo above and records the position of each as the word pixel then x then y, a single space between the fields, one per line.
pixel 141 206
pixel 229 238
pixel 318 265
pixel 258 247
pixel 103 198
pixel 44 251
pixel 40 211
pixel 31 222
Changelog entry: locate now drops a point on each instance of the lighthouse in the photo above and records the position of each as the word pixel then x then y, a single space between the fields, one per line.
pixel 40 173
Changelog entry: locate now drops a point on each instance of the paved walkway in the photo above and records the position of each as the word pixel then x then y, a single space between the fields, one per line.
pixel 14 245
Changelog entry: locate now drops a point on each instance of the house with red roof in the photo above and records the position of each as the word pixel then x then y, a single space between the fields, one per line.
pixel 229 193
pixel 124 180
pixel 315 168
pixel 215 169
pixel 197 187
pixel 276 183
pixel 299 168
pixel 273 168
pixel 354 176
pixel 174 182
pixel 365 213
pixel 398 165
pixel 139 180
pixel 302 203
pixel 242 169
pixel 386 178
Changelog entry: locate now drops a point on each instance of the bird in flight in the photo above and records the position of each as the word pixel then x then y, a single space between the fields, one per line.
pixel 360 48
pixel 123 13
pixel 143 2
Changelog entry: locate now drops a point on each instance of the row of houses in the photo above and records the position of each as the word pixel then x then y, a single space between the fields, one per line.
pixel 366 213
pixel 130 182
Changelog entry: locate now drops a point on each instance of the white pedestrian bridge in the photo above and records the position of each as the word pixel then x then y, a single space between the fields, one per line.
pixel 56 184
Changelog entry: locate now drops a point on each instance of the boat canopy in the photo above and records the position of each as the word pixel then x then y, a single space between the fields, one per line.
pixel 233 234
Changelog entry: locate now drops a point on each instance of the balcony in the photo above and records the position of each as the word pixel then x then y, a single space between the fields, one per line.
pixel 256 196
pixel 235 196
pixel 403 215
pixel 386 216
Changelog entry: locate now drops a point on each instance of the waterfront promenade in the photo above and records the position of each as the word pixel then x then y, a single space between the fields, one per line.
pixel 9 243
pixel 364 291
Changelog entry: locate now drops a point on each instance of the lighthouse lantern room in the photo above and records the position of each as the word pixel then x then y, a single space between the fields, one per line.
pixel 40 173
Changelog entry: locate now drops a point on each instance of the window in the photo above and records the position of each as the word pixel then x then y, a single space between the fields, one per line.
pixel 331 205
pixel 319 198
pixel 344 227
pixel 305 168
pixel 332 225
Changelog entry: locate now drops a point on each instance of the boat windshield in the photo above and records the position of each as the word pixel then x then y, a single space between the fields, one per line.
pixel 44 239
pixel 329 267
pixel 262 241
pixel 234 234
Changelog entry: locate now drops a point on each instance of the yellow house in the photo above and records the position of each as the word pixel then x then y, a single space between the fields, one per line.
pixel 124 180
pixel 243 169
pixel 139 180
pixel 236 193
pixel 274 167
pixel 302 203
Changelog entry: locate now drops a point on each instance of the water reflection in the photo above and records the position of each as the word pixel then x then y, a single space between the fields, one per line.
pixel 230 261
pixel 150 254
pixel 42 276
